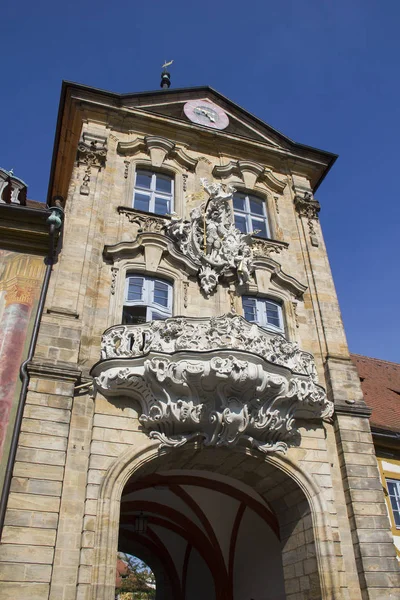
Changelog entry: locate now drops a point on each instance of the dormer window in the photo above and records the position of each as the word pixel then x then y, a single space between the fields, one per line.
pixel 250 214
pixel 146 299
pixel 265 312
pixel 154 192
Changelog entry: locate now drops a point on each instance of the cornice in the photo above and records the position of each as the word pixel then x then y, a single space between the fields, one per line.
pixel 353 410
pixel 60 371
pixel 24 229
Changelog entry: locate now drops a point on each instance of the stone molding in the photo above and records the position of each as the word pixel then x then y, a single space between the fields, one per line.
pixel 221 379
pixel 159 148
pixel 61 371
pixel 211 240
pixel 250 172
pixel 124 250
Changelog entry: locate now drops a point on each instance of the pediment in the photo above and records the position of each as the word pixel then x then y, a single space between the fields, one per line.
pixel 171 104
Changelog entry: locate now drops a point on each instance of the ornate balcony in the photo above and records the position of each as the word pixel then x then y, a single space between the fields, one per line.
pixel 221 379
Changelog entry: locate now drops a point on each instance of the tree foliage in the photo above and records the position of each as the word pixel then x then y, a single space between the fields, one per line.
pixel 137 581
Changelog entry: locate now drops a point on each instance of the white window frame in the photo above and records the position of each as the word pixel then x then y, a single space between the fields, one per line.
pixel 152 192
pixel 147 299
pixel 261 313
pixel 397 484
pixel 248 215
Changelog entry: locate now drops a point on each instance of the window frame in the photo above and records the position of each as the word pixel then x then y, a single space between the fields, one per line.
pixel 152 192
pixel 397 484
pixel 250 216
pixel 261 313
pixel 147 296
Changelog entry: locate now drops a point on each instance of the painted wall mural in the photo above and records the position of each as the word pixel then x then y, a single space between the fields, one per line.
pixel 21 277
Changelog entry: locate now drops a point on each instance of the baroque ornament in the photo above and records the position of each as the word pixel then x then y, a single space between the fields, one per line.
pixel 222 380
pixel 211 240
pixel 92 152
pixel 146 223
pixel 308 207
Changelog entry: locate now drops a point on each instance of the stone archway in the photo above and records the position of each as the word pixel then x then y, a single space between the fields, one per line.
pixel 295 501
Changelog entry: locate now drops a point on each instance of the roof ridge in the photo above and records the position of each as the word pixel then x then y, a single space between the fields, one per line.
pixel 390 362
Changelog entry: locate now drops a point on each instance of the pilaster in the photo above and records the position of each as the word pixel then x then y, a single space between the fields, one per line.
pixel 29 535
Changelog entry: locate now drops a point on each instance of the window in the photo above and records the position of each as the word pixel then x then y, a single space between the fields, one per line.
pixel 146 299
pixel 250 214
pixel 393 486
pixel 264 312
pixel 154 192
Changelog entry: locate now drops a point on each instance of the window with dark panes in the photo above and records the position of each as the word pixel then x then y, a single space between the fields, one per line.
pixel 250 214
pixel 154 192
pixel 393 486
pixel 146 299
pixel 266 313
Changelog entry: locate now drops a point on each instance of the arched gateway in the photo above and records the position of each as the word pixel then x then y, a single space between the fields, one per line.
pixel 220 523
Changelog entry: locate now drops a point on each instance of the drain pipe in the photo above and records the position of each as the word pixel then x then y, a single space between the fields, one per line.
pixel 54 220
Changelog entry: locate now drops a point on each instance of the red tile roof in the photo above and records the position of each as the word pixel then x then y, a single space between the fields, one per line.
pixel 380 382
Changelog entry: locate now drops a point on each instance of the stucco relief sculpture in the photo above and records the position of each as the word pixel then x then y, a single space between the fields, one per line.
pixel 223 380
pixel 211 240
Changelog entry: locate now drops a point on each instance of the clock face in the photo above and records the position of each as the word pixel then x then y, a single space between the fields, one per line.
pixel 206 113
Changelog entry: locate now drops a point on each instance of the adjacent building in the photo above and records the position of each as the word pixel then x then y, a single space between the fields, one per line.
pixel 24 244
pixel 380 383
pixel 192 400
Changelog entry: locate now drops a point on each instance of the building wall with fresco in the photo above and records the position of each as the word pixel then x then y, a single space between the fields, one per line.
pixel 21 276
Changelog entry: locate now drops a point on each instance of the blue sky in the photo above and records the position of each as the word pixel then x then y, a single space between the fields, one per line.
pixel 325 73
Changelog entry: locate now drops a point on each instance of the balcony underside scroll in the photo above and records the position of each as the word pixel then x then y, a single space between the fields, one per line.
pixel 222 380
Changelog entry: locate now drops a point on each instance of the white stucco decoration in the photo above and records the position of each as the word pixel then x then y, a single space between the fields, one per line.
pixel 223 380
pixel 211 240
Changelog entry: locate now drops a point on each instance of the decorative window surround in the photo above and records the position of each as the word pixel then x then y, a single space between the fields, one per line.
pixel 267 247
pixel 240 384
pixel 250 172
pixel 159 149
pixel 145 221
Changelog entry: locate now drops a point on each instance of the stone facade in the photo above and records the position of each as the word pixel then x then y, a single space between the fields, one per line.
pixel 82 444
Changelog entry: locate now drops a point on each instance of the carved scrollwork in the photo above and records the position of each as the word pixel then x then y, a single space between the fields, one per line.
pixel 229 332
pixel 309 208
pixel 223 399
pixel 267 247
pixel 146 223
pixel 92 152
pixel 211 240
